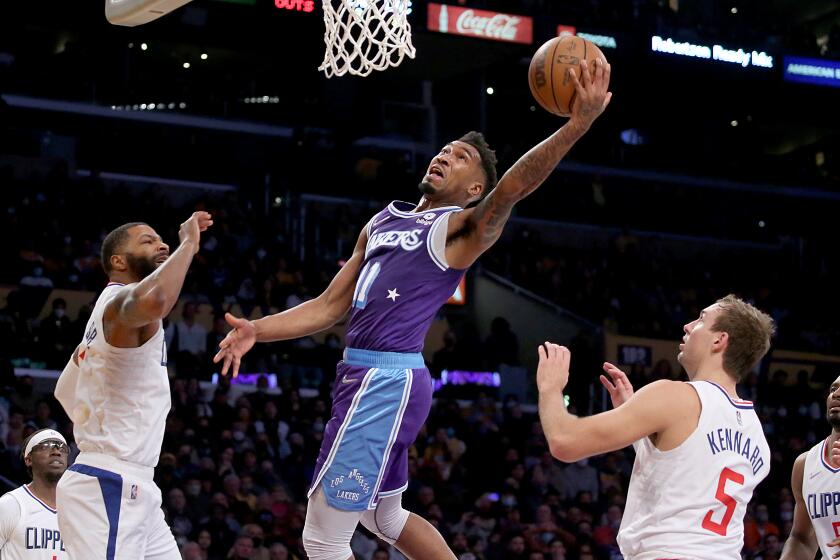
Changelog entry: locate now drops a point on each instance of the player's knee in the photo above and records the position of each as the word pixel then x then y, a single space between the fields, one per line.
pixel 321 545
pixel 388 520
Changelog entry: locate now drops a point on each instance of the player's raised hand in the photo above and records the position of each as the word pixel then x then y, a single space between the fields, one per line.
pixel 236 344
pixel 592 89
pixel 553 369
pixel 617 385
pixel 192 228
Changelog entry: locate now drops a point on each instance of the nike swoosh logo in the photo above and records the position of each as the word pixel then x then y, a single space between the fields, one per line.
pixel 813 475
pixel 347 381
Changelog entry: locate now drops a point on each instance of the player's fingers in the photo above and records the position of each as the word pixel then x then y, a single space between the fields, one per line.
pixel 607 384
pixel 586 74
pixel 235 322
pixel 541 351
pixel 218 357
pixel 600 67
pixel 607 100
pixel 236 362
pixel 626 383
pixel 226 365
pixel 576 81
pixel 612 370
pixel 604 78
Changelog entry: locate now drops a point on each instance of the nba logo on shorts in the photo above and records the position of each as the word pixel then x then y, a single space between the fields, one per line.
pixel 134 492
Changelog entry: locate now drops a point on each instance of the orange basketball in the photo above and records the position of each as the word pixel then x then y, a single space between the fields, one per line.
pixel 548 74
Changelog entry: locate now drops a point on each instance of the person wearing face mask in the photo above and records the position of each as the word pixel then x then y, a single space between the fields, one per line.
pixel 815 482
pixel 196 499
pixel 55 335
pixel 757 529
pixel 260 552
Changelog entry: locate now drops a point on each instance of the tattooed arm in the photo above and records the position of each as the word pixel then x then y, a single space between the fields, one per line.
pixel 475 230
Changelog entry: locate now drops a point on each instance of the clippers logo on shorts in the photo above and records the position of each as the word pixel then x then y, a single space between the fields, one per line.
pixel 408 240
pixel 38 538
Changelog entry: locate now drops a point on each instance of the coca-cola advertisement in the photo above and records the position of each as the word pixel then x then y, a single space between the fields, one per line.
pixel 480 23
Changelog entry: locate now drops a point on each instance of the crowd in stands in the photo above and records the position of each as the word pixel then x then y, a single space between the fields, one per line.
pixel 234 471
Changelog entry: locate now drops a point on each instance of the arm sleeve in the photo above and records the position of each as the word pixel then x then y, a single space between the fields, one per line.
pixel 9 517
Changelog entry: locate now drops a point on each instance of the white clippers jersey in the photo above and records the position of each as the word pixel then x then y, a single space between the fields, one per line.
pixel 821 492
pixel 118 398
pixel 28 528
pixel 689 502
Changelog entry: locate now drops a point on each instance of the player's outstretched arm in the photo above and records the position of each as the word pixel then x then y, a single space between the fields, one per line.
pixel 570 438
pixel 483 224
pixel 307 318
pixel 153 298
pixel 802 542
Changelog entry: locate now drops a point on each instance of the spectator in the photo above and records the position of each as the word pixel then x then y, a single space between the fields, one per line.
pixel 243 549
pixel 56 336
pixel 502 346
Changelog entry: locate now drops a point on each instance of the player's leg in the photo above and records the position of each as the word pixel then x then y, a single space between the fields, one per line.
pixel 160 543
pixel 328 531
pixel 92 515
pixel 411 534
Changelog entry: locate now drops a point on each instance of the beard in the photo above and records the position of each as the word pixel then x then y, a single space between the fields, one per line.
pixel 53 477
pixel 833 420
pixel 427 188
pixel 140 266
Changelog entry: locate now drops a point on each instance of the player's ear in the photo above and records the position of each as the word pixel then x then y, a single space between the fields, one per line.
pixel 720 341
pixel 119 263
pixel 475 190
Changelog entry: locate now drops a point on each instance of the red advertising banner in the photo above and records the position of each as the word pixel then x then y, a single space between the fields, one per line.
pixel 483 24
pixel 563 30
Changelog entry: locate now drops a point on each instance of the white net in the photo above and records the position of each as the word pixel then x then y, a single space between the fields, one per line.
pixel 365 35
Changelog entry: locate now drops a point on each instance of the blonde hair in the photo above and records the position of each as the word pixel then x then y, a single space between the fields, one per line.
pixel 749 330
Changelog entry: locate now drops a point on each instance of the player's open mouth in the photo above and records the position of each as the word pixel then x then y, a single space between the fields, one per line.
pixel 834 409
pixel 436 171
pixel 56 462
pixel 161 258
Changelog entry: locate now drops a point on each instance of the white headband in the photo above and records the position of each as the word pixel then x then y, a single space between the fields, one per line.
pixel 41 437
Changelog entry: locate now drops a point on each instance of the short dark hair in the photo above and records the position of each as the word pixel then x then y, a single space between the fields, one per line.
pixel 488 158
pixel 114 241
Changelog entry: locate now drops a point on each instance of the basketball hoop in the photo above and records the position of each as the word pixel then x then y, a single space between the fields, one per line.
pixel 365 35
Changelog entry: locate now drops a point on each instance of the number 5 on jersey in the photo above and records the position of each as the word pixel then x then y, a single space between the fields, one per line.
pixel 726 475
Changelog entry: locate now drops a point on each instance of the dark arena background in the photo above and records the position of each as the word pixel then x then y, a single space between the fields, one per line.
pixel 715 170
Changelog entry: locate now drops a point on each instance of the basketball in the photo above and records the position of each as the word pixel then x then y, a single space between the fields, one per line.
pixel 548 75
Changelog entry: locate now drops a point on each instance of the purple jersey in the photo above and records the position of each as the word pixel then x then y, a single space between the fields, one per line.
pixel 404 279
